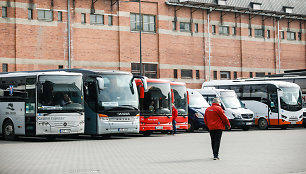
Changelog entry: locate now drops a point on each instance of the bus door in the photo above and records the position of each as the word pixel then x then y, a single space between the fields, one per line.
pixel 91 116
pixel 273 106
pixel 30 106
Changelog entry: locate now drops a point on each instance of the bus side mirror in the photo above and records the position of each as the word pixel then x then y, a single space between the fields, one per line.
pixel 145 84
pixel 141 92
pixel 172 96
pixel 187 97
pixel 100 83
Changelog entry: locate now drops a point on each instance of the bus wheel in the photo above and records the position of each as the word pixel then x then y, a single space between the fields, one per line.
pixel 8 130
pixel 262 124
pixel 190 126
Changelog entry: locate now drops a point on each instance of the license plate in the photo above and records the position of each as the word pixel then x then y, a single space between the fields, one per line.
pixel 159 127
pixel 122 129
pixel 65 130
pixel 293 122
pixel 249 123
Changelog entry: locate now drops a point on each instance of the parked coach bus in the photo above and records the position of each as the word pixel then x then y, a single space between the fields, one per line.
pixel 181 104
pixel 299 80
pixel 111 102
pixel 275 103
pixel 237 114
pixel 41 104
pixel 155 106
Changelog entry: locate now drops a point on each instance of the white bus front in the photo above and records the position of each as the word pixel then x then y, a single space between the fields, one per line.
pixel 60 105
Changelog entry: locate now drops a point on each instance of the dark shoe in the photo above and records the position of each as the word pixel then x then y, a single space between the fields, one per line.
pixel 216 158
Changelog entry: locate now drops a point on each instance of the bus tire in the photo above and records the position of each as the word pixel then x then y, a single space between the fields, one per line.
pixel 190 126
pixel 262 124
pixel 8 131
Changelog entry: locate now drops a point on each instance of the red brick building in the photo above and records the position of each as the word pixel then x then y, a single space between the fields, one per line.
pixel 183 40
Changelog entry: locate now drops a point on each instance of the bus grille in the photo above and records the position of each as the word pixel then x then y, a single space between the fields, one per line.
pixel 293 119
pixel 247 116
pixel 67 123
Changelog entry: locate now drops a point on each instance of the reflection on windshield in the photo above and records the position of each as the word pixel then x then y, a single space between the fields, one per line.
pixel 180 98
pixel 157 99
pixel 60 93
pixel 119 90
pixel 231 102
pixel 196 100
pixel 291 99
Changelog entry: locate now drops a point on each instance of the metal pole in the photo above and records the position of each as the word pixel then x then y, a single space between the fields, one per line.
pixel 69 35
pixel 208 45
pixel 140 51
pixel 278 42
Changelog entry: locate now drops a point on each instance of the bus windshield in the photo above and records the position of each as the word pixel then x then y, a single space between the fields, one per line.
pixel 291 100
pixel 157 100
pixel 119 91
pixel 196 100
pixel 180 98
pixel 60 93
pixel 230 100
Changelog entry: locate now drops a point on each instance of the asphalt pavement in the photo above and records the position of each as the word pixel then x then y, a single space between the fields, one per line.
pixel 271 151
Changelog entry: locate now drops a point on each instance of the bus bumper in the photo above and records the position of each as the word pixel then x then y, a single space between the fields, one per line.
pixel 239 123
pixel 182 126
pixel 155 127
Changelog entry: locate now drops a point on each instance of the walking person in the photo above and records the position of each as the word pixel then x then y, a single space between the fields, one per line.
pixel 174 115
pixel 216 122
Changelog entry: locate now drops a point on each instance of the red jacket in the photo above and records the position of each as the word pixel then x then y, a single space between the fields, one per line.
pixel 174 113
pixel 215 118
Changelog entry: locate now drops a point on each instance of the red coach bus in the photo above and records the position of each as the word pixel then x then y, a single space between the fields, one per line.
pixel 155 106
pixel 181 104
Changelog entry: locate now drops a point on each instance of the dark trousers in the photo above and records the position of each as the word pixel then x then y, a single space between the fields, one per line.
pixel 174 127
pixel 215 136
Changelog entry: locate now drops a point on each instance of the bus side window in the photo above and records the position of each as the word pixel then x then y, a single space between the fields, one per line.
pixel 260 93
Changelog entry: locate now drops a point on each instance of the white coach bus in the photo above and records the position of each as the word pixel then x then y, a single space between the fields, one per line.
pixel 41 104
pixel 274 103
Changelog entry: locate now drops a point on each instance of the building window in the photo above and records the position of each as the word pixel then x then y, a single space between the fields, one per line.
pixel 96 19
pixel 148 22
pixel 256 6
pixel 196 27
pixel 224 30
pixel 215 75
pixel 259 32
pixel 4 67
pixel 251 74
pixel 282 34
pixel 260 74
pixel 149 70
pixel 213 29
pixel 197 74
pixel 250 31
pixel 268 34
pixel 300 35
pixel 110 20
pixel 269 73
pixel 30 13
pixel 174 25
pixel 291 35
pixel 235 75
pixel 175 73
pixel 233 31
pixel 60 16
pixel 83 18
pixel 45 15
pixel 185 26
pixel 221 2
pixel 60 66
pixel 4 12
pixel 224 75
pixel 186 74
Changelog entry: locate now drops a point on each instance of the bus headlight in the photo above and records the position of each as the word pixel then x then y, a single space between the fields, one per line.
pixel 237 116
pixel 199 115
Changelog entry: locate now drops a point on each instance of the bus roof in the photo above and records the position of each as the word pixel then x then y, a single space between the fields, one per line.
pixel 158 80
pixel 36 73
pixel 211 91
pixel 244 82
pixel 178 83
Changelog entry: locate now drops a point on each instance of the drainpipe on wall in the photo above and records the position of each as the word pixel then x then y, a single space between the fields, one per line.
pixel 208 19
pixel 278 45
pixel 69 34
